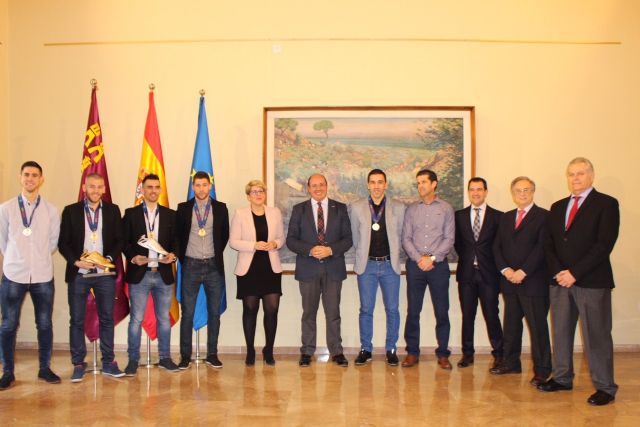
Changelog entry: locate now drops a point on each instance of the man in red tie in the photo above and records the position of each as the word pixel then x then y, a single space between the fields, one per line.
pixel 583 229
pixel 519 253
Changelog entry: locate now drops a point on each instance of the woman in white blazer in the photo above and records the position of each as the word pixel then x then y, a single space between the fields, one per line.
pixel 257 234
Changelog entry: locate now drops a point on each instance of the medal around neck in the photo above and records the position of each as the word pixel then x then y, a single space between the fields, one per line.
pixel 202 232
pixel 27 232
pixel 152 244
pixel 375 226
pixel 99 261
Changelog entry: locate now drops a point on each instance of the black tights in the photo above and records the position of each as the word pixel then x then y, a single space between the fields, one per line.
pixel 250 306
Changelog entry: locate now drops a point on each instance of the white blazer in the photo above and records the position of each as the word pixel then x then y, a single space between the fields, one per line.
pixel 242 238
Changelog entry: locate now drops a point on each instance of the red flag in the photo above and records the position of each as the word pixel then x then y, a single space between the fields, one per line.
pixel 94 161
pixel 151 162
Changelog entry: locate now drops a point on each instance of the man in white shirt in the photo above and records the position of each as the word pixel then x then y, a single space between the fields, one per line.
pixel 29 229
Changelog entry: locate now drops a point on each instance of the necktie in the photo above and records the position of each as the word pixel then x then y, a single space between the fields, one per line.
pixel 521 213
pixel 476 224
pixel 321 235
pixel 574 210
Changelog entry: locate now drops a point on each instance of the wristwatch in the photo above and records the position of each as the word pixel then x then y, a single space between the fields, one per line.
pixel 432 256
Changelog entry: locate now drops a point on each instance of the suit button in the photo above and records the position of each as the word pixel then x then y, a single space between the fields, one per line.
pixel 565 239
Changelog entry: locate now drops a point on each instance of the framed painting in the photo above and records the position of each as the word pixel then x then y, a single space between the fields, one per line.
pixel 345 143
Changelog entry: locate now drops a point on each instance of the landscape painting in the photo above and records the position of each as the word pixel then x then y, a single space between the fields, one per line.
pixel 344 144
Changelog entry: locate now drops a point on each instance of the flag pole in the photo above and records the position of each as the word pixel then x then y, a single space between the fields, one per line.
pixel 148 363
pixel 94 367
pixel 93 83
pixel 199 359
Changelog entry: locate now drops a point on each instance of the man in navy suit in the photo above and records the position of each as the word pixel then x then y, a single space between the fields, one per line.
pixel 477 275
pixel 583 230
pixel 92 225
pixel 320 234
pixel 519 253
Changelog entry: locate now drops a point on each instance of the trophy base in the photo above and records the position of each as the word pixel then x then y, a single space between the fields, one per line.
pixel 106 273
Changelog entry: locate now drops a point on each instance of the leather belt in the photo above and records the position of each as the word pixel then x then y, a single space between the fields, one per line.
pixel 379 258
pixel 152 269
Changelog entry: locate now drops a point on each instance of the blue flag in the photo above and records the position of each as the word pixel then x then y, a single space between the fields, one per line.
pixel 201 162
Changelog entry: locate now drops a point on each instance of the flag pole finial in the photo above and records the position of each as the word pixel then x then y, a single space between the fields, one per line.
pixel 152 86
pixel 202 92
pixel 93 83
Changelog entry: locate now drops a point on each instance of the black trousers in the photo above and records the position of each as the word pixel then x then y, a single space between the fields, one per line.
pixel 469 294
pixel 535 311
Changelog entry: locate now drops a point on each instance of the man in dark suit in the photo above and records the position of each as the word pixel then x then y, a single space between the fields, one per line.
pixel 91 225
pixel 320 234
pixel 149 272
pixel 203 233
pixel 519 252
pixel 583 230
pixel 477 275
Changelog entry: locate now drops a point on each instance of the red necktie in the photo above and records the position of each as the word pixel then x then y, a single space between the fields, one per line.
pixel 521 213
pixel 574 210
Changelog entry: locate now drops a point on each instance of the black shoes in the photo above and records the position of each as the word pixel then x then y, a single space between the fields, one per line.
pixel 503 370
pixel 46 374
pixel 168 364
pixel 131 369
pixel 185 362
pixel 363 358
pixel 250 360
pixel 467 360
pixel 392 358
pixel 213 361
pixel 7 380
pixel 600 398
pixel 267 357
pixel 340 360
pixel 305 361
pixel 552 385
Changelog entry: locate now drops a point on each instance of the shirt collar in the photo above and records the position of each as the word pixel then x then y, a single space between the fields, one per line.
pixel 582 195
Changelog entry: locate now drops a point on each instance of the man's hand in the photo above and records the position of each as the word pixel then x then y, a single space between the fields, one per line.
pixel 565 279
pixel 140 260
pixel 265 246
pixel 425 263
pixel 518 276
pixel 321 252
pixel 168 259
pixel 84 264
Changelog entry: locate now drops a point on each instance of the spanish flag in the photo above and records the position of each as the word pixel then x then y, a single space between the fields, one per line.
pixel 151 162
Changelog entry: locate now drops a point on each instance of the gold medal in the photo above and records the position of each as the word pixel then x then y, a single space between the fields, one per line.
pixel 94 236
pixel 27 232
pixel 375 226
pixel 202 232
pixel 151 235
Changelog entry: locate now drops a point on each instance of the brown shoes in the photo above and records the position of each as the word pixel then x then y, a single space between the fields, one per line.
pixel 444 363
pixel 410 360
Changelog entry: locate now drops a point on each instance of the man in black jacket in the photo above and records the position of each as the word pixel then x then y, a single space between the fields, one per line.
pixel 203 233
pixel 477 276
pixel 149 272
pixel 91 225
pixel 583 230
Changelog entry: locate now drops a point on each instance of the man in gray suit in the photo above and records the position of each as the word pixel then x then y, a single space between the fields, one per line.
pixel 376 226
pixel 320 234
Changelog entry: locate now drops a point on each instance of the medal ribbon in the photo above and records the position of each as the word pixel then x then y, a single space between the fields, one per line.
pixel 150 224
pixel 376 218
pixel 87 211
pixel 202 220
pixel 23 211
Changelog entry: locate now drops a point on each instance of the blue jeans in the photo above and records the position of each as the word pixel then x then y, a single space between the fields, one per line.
pixel 104 289
pixel 438 282
pixel 194 273
pixel 12 296
pixel 152 284
pixel 379 272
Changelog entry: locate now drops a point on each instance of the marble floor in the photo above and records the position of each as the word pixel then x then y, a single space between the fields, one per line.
pixel 323 394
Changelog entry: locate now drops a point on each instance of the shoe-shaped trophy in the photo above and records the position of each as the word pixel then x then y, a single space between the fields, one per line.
pixel 153 245
pixel 98 261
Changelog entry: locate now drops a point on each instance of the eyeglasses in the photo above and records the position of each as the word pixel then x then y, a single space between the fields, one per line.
pixel 256 192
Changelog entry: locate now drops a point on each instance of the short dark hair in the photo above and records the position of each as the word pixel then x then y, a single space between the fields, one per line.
pixel 31 164
pixel 377 172
pixel 152 176
pixel 319 174
pixel 432 175
pixel 477 179
pixel 94 175
pixel 201 175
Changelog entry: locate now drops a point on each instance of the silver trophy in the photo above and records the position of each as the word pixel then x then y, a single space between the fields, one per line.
pixel 153 245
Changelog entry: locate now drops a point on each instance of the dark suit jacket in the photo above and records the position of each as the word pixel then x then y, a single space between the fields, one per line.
pixel 584 249
pixel 523 249
pixel 134 226
pixel 467 248
pixel 71 240
pixel 220 233
pixel 302 236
